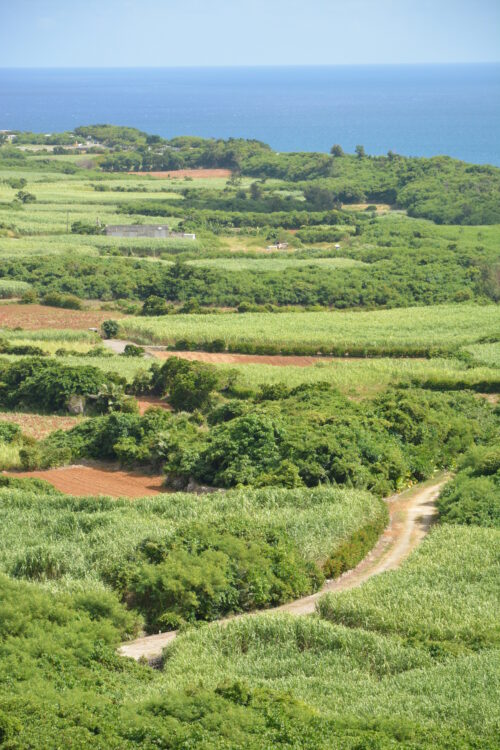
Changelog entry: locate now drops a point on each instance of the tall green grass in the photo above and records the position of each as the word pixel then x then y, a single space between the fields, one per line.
pixel 9 456
pixel 88 536
pixel 410 658
pixel 425 327
pixel 10 288
pixel 447 592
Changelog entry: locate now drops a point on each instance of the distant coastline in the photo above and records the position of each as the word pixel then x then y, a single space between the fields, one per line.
pixel 420 110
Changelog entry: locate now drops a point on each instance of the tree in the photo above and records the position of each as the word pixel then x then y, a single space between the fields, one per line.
pixel 320 198
pixel 25 197
pixel 109 329
pixel 360 151
pixel 154 305
pixel 337 150
pixel 255 191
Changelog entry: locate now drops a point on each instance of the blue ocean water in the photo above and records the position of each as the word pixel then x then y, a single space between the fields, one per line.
pixel 414 110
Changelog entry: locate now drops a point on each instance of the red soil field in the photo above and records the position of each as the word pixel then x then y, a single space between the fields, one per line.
pixel 195 173
pixel 35 317
pixel 242 359
pixel 85 481
pixel 39 425
pixel 145 402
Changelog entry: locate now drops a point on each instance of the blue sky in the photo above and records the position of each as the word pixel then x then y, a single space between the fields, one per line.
pixel 127 33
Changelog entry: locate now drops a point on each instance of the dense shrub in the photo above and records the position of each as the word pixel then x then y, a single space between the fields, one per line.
pixel 473 496
pixel 9 432
pixel 155 305
pixel 6 347
pixel 110 329
pixel 68 301
pixel 354 549
pixel 205 573
pixel 131 350
pixel 403 435
pixel 390 277
pixel 188 385
pixel 48 384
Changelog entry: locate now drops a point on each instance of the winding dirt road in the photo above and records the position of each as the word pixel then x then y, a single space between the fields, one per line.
pixel 411 514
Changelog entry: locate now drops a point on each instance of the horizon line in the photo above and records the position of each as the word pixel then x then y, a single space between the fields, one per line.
pixel 250 65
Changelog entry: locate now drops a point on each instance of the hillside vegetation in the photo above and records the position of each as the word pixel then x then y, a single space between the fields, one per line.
pixel 330 338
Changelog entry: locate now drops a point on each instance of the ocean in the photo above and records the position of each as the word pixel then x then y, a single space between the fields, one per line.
pixel 416 110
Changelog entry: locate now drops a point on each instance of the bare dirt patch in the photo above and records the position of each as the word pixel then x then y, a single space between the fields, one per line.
pixel 491 398
pixel 84 481
pixel 39 425
pixel 36 317
pixel 228 358
pixel 146 402
pixel 194 173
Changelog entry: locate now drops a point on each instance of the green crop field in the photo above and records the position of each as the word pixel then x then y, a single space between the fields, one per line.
pixel 273 264
pixel 438 326
pixel 86 537
pixel 370 651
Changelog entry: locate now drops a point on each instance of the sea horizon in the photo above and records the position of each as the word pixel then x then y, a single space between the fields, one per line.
pixel 415 109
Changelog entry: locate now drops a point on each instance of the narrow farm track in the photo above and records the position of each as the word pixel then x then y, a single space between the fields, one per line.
pixel 411 514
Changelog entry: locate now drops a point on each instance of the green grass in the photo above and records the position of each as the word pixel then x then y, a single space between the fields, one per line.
pixel 274 263
pixel 486 354
pixel 67 335
pixel 446 593
pixel 443 325
pixel 89 536
pixel 400 654
pixel 9 456
pixel 358 377
pixel 10 288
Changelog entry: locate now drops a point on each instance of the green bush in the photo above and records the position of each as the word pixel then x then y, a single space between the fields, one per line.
pixel 67 301
pixel 9 432
pixel 110 329
pixel 354 549
pixel 131 350
pixel 188 385
pixel 48 384
pixel 203 573
pixel 155 305
pixel 473 496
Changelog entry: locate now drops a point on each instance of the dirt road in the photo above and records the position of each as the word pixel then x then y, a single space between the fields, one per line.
pixel 410 516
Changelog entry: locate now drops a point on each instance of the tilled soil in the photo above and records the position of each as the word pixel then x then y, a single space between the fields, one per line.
pixel 88 481
pixel 36 317
pixel 39 425
pixel 146 402
pixel 242 359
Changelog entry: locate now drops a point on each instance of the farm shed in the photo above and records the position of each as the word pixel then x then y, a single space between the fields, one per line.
pixel 153 231
pixel 138 230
